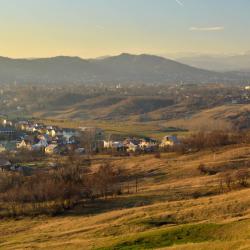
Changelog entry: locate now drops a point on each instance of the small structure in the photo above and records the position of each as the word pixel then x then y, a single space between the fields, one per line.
pixel 52 149
pixel 51 132
pixel 7 133
pixel 132 145
pixel 169 141
pixel 148 144
pixel 27 142
pixel 7 123
pixel 42 144
pixel 22 125
pixel 80 151
pixel 2 148
pixel 24 144
pixel 5 165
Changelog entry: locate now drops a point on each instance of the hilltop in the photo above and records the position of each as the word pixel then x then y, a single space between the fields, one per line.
pixel 122 69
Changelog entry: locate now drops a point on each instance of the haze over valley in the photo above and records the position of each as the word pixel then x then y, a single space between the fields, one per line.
pixel 124 125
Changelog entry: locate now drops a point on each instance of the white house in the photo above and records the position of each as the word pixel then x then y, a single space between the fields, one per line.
pixel 169 141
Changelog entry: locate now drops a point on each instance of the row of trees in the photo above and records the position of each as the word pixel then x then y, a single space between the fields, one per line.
pixel 211 140
pixel 64 186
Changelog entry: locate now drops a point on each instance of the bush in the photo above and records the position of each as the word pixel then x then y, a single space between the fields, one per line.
pixel 206 170
pixel 157 155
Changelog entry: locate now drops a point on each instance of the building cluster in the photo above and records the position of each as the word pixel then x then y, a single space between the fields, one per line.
pixel 38 137
pixel 31 136
pixel 140 144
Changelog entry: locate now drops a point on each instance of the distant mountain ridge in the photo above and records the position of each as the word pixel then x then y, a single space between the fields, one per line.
pixel 124 68
pixel 219 63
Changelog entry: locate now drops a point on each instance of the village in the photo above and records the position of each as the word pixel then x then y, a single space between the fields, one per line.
pixel 37 138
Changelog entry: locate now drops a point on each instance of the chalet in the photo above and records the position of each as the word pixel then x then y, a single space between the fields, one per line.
pixel 132 145
pixel 148 143
pixel 169 141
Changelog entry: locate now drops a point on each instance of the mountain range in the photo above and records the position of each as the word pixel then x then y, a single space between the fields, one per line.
pixel 221 63
pixel 124 69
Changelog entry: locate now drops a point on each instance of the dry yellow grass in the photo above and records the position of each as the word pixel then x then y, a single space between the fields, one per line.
pixel 214 118
pixel 164 192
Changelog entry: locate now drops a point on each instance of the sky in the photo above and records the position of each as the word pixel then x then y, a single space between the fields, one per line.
pixel 93 28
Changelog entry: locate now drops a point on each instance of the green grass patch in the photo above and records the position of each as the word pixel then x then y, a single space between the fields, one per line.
pixel 163 238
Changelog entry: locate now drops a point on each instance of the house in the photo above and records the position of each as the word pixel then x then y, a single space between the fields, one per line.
pixel 22 125
pixel 117 145
pixel 148 144
pixel 51 132
pixel 7 132
pixel 7 123
pixel 5 165
pixel 2 148
pixel 7 146
pixel 42 144
pixel 107 144
pixel 27 142
pixel 24 144
pixel 132 145
pixel 67 134
pixel 52 149
pixel 31 128
pixel 169 141
pixel 44 137
pixel 73 140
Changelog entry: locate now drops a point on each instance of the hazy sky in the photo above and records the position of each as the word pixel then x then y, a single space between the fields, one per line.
pixel 91 28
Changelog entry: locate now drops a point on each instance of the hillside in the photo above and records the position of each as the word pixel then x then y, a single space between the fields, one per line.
pixel 176 207
pixel 124 69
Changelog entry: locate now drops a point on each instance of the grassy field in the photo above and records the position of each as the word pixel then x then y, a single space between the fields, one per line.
pixel 147 129
pixel 175 208
pixel 218 118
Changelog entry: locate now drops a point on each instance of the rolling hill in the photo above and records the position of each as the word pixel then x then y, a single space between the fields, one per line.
pixel 176 207
pixel 124 68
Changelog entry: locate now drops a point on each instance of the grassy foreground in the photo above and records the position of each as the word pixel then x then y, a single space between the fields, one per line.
pixel 176 207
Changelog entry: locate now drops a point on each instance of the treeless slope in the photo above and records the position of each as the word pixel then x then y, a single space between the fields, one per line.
pixel 112 228
pixel 216 118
